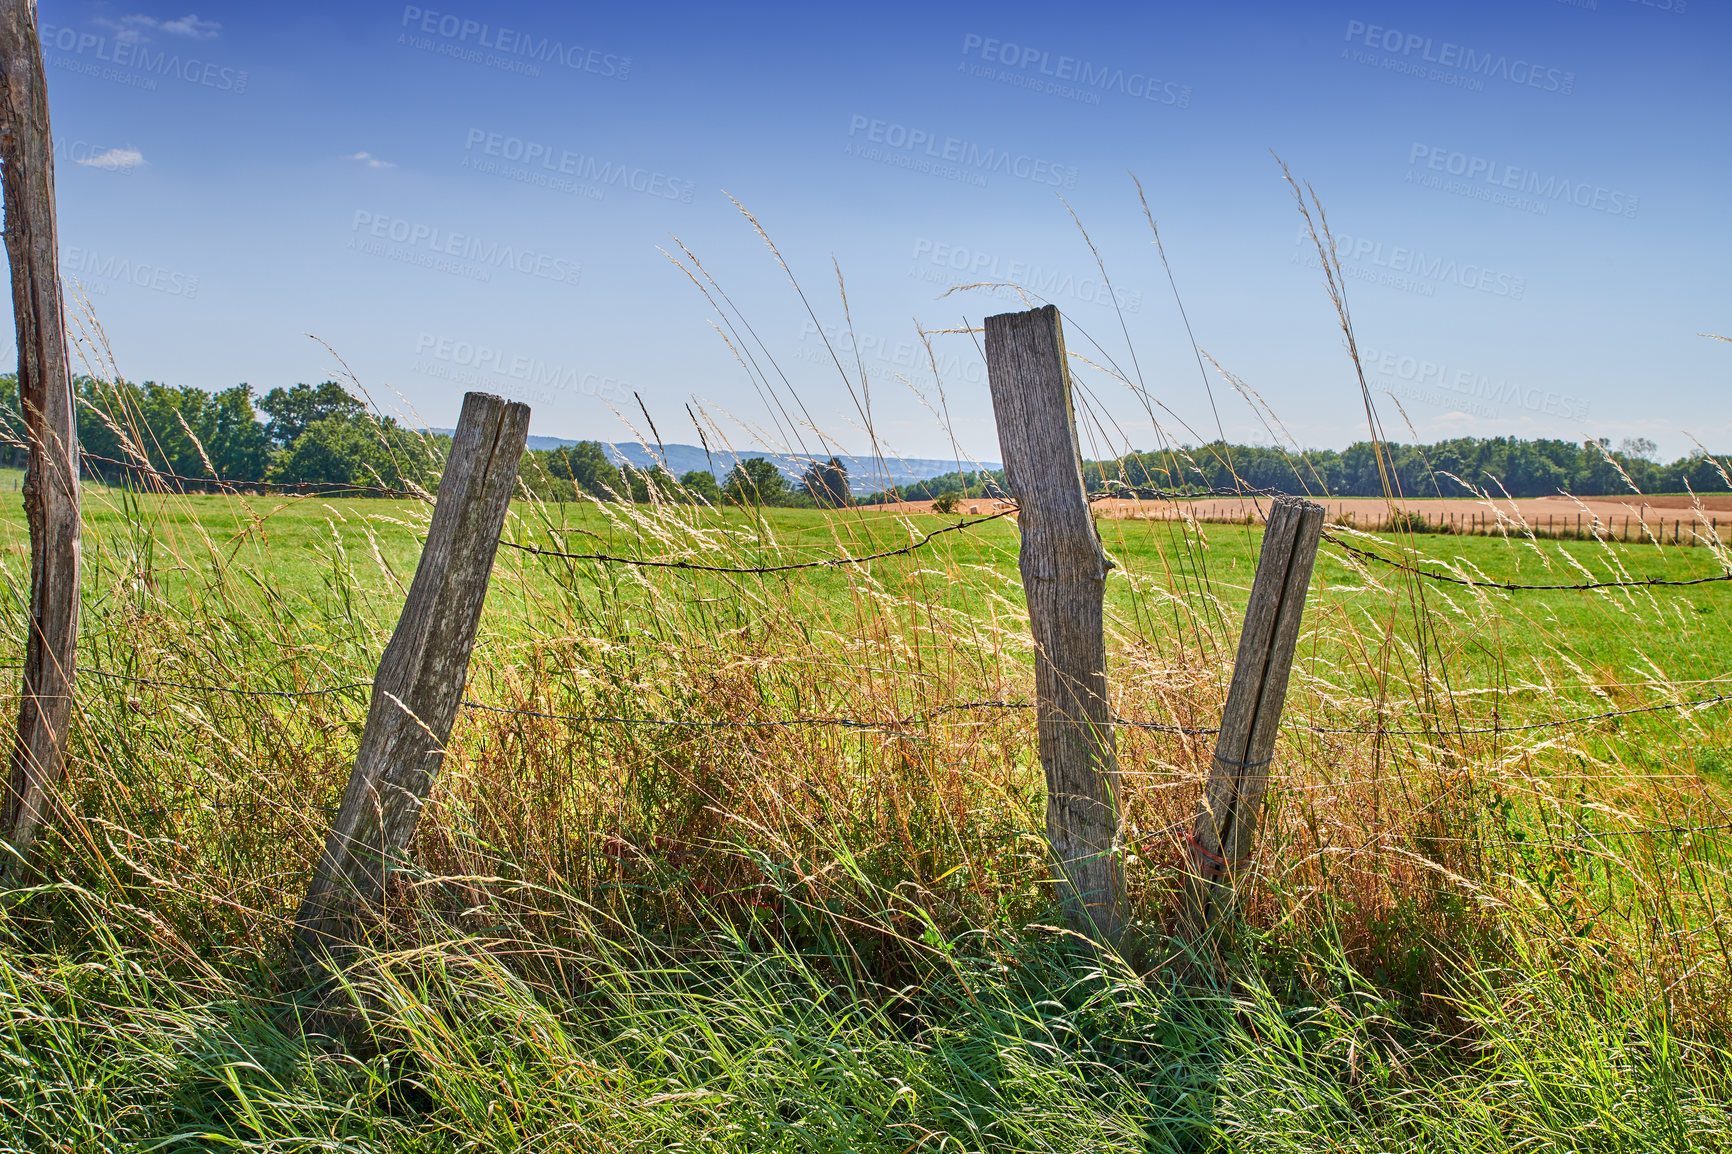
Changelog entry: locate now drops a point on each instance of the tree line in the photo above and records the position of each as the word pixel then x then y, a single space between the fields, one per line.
pixel 324 435
pixel 305 434
pixel 1453 468
pixel 565 473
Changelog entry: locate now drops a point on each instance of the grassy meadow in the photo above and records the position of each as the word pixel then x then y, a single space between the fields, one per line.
pixel 757 929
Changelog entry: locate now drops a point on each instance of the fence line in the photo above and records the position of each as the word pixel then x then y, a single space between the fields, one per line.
pixel 1142 841
pixel 1497 727
pixel 1578 838
pixel 1641 583
pixel 825 562
pixel 1119 490
pixel 331 489
pixel 655 563
pixel 1332 538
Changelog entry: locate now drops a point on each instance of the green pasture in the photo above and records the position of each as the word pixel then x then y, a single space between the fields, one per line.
pixel 316 552
pixel 766 938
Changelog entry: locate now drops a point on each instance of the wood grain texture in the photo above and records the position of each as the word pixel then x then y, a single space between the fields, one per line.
pixel 1232 803
pixel 419 685
pixel 50 490
pixel 1064 572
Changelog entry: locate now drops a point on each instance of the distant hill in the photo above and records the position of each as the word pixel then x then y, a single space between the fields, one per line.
pixel 865 474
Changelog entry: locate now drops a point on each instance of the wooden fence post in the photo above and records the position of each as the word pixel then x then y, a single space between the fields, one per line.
pixel 419 684
pixel 51 494
pixel 1232 802
pixel 1064 572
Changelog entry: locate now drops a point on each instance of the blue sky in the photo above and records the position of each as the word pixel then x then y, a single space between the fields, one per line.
pixel 1531 199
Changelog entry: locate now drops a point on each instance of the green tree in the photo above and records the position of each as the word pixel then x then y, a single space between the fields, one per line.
pixel 827 482
pixel 185 431
pixel 540 479
pixel 1699 472
pixel 657 479
pixel 754 481
pixel 196 434
pixel 586 466
pixel 339 451
pixel 1598 472
pixel 294 410
pixel 701 485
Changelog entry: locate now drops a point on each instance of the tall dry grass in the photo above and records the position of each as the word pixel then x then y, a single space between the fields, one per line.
pixel 734 932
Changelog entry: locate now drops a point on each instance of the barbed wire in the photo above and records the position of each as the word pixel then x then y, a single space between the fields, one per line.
pixel 892 723
pixel 1178 836
pixel 1497 727
pixel 1117 489
pixel 1638 583
pixel 1598 835
pixel 825 562
pixel 1114 490
pixel 698 566
pixel 1141 841
pixel 684 723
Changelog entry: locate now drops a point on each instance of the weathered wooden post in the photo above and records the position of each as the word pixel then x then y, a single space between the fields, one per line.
pixel 1232 803
pixel 1064 572
pixel 419 685
pixel 51 495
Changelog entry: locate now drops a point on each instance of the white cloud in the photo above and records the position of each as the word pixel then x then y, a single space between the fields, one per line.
pixel 132 29
pixel 191 27
pixel 370 160
pixel 114 159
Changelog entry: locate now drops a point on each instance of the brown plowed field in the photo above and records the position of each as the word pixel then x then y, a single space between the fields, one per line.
pixel 1550 516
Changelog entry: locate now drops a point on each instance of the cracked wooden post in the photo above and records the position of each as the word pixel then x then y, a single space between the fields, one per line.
pixel 1064 572
pixel 51 493
pixel 1232 803
pixel 419 685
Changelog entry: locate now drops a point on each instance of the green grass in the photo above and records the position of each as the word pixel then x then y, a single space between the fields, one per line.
pixel 301 549
pixel 1025 1046
pixel 759 938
